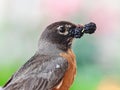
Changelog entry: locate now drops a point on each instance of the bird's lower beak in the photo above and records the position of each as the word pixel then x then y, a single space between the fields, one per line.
pixel 80 30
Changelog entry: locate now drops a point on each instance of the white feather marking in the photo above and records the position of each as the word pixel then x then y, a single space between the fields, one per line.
pixel 57 66
pixel 59 27
pixel 59 85
pixel 68 26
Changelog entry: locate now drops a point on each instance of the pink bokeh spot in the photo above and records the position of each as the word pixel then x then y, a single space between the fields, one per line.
pixel 105 19
pixel 62 7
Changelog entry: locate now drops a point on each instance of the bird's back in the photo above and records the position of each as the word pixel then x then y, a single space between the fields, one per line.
pixel 41 72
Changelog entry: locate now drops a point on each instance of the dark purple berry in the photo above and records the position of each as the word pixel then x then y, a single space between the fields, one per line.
pixel 90 28
pixel 76 33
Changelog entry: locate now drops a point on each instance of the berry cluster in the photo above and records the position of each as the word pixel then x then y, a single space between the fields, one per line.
pixel 80 30
pixel 76 33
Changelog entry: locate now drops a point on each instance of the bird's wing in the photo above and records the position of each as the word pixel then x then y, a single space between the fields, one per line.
pixel 39 73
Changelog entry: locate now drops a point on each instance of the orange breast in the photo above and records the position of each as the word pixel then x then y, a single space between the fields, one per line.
pixel 70 73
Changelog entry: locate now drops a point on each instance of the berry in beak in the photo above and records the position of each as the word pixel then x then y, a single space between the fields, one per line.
pixel 81 29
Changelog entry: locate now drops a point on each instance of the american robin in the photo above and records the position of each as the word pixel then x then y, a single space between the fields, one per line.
pixel 53 66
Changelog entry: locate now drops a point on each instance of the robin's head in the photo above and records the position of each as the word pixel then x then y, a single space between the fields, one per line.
pixel 62 33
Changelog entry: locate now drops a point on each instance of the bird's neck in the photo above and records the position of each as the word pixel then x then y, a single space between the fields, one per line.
pixel 46 47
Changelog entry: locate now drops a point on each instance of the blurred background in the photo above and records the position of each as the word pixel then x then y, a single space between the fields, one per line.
pixel 98 55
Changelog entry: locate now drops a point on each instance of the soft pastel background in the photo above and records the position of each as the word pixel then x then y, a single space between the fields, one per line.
pixel 98 55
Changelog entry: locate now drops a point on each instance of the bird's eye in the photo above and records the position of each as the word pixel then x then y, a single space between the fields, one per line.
pixel 62 30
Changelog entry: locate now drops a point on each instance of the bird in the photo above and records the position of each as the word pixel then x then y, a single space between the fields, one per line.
pixel 53 66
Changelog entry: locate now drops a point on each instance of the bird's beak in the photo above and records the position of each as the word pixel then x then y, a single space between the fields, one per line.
pixel 81 29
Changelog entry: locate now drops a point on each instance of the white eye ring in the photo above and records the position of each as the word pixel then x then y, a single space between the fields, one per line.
pixel 68 26
pixel 65 33
pixel 62 33
pixel 59 27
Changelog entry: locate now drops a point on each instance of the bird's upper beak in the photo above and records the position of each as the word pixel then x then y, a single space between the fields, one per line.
pixel 81 29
